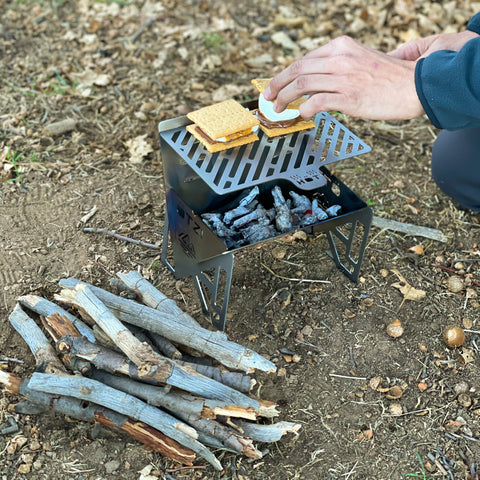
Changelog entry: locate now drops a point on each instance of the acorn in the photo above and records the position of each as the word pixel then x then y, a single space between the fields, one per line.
pixel 453 336
pixel 395 329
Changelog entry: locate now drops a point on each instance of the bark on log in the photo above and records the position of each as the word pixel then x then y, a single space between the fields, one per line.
pixel 267 433
pixel 152 297
pixel 45 355
pixel 164 347
pixel 78 409
pixel 96 392
pixel 213 344
pixel 152 366
pixel 236 380
pixel 45 308
pixel 229 438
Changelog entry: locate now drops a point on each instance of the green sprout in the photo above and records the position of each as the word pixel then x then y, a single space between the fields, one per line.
pixel 422 475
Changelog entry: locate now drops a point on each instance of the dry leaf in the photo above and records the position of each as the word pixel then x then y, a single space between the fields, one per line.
pixel 88 78
pixel 409 292
pixel 365 435
pixel 417 249
pixel 467 355
pixel 138 148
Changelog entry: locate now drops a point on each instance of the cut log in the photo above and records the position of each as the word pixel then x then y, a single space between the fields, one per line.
pixel 267 433
pixel 96 392
pixel 213 344
pixel 229 438
pixel 45 355
pixel 88 412
pixel 152 366
pixel 152 297
pixel 45 308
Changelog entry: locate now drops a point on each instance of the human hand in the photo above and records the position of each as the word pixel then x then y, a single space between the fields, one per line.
pixel 422 47
pixel 346 76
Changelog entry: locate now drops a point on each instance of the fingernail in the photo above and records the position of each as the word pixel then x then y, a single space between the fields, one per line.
pixel 267 92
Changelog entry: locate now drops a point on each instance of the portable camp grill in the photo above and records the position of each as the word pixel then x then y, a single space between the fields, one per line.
pixel 197 182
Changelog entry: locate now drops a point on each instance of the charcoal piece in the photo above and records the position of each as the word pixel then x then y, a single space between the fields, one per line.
pixel 244 202
pixel 257 214
pixel 301 203
pixel 257 233
pixel 283 219
pixel 308 219
pixel 318 212
pixel 239 211
pixel 213 220
pixel 334 210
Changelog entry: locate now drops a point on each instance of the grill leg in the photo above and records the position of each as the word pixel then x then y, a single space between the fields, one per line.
pixel 209 290
pixel 342 247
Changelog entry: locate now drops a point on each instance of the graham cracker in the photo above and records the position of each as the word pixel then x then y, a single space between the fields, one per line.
pixel 223 119
pixel 261 85
pixel 213 147
pixel 275 132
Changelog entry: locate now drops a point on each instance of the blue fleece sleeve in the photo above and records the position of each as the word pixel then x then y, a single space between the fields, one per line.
pixel 474 24
pixel 448 86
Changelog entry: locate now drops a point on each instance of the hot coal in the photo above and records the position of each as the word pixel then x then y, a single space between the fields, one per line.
pixel 251 222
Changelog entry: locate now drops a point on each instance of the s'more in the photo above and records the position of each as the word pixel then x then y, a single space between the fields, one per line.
pixel 223 125
pixel 273 123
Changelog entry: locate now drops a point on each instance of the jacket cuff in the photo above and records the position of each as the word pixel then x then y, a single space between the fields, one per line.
pixel 474 24
pixel 421 94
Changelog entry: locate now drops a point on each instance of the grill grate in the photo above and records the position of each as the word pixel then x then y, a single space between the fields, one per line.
pixel 296 158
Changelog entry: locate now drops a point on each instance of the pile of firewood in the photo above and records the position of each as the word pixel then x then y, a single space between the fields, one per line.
pixel 148 369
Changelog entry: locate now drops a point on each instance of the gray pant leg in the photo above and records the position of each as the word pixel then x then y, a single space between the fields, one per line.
pixel 456 166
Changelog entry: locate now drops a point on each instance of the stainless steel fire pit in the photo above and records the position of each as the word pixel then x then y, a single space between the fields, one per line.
pixel 197 182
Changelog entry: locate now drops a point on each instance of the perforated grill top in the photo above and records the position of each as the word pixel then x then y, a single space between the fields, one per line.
pixel 296 157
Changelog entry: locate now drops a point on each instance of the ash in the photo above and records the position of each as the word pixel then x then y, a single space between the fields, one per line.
pixel 251 222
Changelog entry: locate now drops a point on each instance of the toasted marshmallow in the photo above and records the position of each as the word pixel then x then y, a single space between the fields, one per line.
pixel 267 110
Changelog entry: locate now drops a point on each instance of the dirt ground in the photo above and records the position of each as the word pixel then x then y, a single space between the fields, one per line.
pixel 93 63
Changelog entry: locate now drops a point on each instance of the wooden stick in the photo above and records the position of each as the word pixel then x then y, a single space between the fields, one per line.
pixel 267 433
pixel 164 346
pixel 152 297
pixel 227 436
pixel 96 392
pixel 238 381
pixel 78 409
pixel 121 237
pixel 45 355
pixel 409 229
pixel 150 364
pixel 45 308
pixel 213 344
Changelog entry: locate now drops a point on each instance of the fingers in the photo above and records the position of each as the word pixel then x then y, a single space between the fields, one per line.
pixel 325 101
pixel 291 83
pixel 303 85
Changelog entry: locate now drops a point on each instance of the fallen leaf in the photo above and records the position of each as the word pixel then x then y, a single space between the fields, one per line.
pixel 467 355
pixel 417 249
pixel 365 435
pixel 138 148
pixel 409 292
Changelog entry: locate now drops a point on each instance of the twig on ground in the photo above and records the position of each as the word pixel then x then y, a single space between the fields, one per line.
pixel 349 377
pixel 120 237
pixel 409 229
pixel 148 22
pixel 301 280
